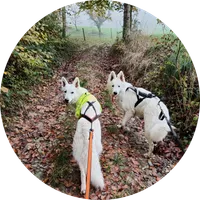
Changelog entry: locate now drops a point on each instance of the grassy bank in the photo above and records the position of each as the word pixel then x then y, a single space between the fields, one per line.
pixel 163 66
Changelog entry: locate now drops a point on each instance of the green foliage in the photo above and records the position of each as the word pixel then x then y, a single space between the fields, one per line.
pixel 118 159
pixel 83 83
pixel 118 48
pixel 100 6
pixel 107 100
pixel 34 58
pixel 163 66
pixel 112 129
pixel 175 79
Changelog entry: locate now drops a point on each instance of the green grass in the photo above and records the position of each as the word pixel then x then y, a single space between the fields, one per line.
pixel 112 129
pixel 107 100
pixel 118 160
pixel 83 83
pixel 92 34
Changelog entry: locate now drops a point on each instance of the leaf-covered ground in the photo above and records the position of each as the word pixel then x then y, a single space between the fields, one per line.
pixel 41 134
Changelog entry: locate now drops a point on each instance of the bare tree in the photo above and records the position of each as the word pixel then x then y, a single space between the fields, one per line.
pixel 127 22
pixel 99 20
pixel 134 19
pixel 73 13
pixel 64 22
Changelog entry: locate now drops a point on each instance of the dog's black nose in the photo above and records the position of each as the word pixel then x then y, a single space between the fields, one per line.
pixel 115 93
pixel 66 101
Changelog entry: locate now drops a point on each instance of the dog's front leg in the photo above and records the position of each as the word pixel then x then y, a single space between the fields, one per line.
pixel 151 146
pixel 126 118
pixel 83 180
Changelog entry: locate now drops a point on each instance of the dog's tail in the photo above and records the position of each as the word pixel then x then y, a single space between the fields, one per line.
pixel 172 130
pixel 159 131
pixel 96 173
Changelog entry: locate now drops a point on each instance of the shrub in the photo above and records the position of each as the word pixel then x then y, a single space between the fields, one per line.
pixel 34 59
pixel 163 66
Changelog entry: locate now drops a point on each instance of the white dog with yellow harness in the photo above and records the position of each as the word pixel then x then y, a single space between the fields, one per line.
pixel 88 110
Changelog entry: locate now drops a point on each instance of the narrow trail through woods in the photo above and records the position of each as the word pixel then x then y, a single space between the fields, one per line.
pixel 42 134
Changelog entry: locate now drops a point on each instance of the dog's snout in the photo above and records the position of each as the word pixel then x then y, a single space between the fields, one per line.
pixel 115 93
pixel 66 101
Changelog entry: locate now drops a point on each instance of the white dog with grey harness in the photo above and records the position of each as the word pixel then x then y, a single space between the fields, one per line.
pixel 142 103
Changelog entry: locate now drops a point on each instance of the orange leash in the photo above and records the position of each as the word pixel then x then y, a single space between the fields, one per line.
pixel 89 165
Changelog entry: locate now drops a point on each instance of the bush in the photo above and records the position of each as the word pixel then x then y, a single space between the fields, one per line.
pixel 163 66
pixel 34 59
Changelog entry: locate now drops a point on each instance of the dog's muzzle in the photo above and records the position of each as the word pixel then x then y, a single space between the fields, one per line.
pixel 115 93
pixel 66 101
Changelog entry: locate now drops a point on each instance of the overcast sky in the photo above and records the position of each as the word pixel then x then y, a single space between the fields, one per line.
pixel 148 23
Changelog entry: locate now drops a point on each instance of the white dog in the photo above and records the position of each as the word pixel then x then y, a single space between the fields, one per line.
pixel 142 103
pixel 87 108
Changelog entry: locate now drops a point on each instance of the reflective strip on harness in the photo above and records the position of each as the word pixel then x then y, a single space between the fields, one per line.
pixel 161 115
pixel 90 104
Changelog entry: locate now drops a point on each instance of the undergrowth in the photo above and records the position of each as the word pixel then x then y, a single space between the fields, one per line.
pixel 38 53
pixel 163 66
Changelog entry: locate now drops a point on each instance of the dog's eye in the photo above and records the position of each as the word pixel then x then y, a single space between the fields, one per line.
pixel 118 85
pixel 72 92
pixel 112 85
pixel 65 91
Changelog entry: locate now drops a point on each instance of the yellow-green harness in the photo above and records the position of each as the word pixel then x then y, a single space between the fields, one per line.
pixel 85 98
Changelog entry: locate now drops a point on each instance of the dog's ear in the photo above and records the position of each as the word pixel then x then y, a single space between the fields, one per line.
pixel 121 76
pixel 63 82
pixel 111 76
pixel 76 82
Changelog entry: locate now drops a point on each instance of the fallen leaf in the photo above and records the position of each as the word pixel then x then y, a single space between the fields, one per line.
pixel 73 161
pixel 134 161
pixel 114 188
pixel 93 196
pixel 4 89
pixel 68 184
pixel 158 178
pixel 108 197
pixel 28 166
pixel 125 186
pixel 13 150
pixel 46 180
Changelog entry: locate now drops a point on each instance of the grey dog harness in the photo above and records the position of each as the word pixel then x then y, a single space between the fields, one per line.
pixel 141 96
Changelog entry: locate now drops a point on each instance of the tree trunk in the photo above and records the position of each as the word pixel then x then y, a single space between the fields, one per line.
pixel 99 29
pixel 64 22
pixel 131 17
pixel 76 26
pixel 126 25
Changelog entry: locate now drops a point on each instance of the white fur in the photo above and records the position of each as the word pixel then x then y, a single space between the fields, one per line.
pixel 155 129
pixel 80 140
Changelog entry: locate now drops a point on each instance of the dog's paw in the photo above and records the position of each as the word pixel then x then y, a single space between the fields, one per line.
pixel 83 192
pixel 102 187
pixel 83 189
pixel 120 126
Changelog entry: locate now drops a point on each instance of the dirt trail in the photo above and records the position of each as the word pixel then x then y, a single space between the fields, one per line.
pixel 42 135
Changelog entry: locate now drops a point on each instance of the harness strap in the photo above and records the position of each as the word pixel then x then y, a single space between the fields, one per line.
pixel 90 104
pixel 171 129
pixel 140 94
pixel 161 115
